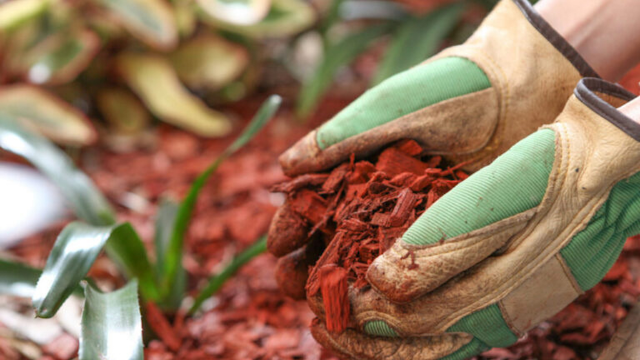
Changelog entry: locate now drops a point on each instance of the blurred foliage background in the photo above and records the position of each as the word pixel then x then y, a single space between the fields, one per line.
pixel 79 70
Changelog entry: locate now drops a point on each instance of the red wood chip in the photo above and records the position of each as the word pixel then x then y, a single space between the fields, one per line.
pixel 393 162
pixel 334 288
pixel 409 147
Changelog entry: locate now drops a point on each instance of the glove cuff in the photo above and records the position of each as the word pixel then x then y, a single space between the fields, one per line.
pixel 561 44
pixel 587 91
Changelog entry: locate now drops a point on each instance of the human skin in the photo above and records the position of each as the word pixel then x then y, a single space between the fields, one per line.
pixel 604 32
pixel 632 109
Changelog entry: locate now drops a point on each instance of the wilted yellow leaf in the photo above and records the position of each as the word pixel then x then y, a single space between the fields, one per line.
pixel 13 13
pixel 209 62
pixel 239 12
pixel 285 18
pixel 151 21
pixel 123 111
pixel 58 58
pixel 157 84
pixel 47 114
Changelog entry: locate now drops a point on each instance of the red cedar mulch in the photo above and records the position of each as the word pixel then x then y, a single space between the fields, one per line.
pixel 250 318
pixel 362 207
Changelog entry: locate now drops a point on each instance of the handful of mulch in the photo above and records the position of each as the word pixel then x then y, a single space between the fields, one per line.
pixel 361 208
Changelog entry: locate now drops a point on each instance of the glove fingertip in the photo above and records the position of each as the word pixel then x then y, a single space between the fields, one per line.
pixel 389 282
pixel 301 157
pixel 292 270
pixel 291 280
pixel 288 231
pixel 324 338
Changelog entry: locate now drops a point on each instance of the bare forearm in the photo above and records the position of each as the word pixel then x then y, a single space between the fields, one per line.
pixel 604 32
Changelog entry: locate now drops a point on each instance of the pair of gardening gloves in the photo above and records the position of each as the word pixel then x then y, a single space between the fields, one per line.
pixel 541 220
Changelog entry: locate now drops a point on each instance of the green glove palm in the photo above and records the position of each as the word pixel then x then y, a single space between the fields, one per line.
pixel 525 236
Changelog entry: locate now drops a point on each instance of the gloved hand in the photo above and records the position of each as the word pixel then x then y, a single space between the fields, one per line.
pixel 525 236
pixel 469 103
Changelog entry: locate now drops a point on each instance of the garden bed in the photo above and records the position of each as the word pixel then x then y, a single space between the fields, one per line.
pixel 250 318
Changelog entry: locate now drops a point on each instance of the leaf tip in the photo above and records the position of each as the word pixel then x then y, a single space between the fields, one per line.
pixel 275 100
pixel 44 313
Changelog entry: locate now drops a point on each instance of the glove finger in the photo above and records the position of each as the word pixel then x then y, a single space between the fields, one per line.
pixel 496 301
pixel 288 231
pixel 473 221
pixel 446 105
pixel 470 303
pixel 292 270
pixel 352 344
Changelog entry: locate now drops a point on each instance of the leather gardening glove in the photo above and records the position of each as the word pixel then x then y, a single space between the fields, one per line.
pixel 469 103
pixel 523 238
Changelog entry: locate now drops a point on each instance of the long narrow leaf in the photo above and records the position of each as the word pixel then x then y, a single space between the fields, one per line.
pixel 126 248
pixel 417 39
pixel 83 196
pixel 111 325
pixel 175 248
pixel 336 56
pixel 73 254
pixel 216 282
pixel 164 225
pixel 17 279
pixel 165 222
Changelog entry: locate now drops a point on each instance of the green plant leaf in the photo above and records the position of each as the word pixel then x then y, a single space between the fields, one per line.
pixel 111 325
pixel 215 283
pixel 52 118
pixel 126 248
pixel 173 255
pixel 82 195
pixel 238 12
pixel 75 251
pixel 418 38
pixel 285 18
pixel 17 279
pixel 58 58
pixel 209 62
pixel 151 21
pixel 14 13
pixel 123 111
pixel 335 56
pixel 157 84
pixel 489 4
pixel 165 223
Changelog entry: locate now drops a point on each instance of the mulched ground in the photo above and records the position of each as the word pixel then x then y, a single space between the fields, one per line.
pixel 250 318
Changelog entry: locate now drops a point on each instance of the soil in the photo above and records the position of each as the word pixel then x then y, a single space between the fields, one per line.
pixel 250 318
